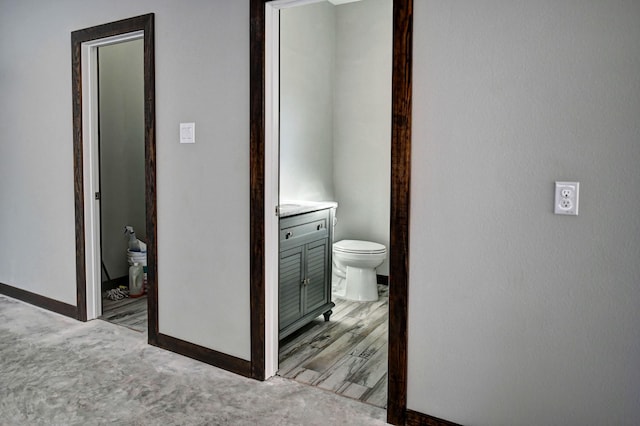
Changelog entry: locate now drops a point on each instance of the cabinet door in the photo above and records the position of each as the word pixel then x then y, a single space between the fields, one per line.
pixel 290 285
pixel 316 294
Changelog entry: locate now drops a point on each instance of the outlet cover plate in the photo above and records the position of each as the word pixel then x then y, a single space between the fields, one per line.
pixel 566 198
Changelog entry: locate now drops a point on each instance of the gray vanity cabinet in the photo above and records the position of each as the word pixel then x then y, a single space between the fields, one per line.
pixel 304 288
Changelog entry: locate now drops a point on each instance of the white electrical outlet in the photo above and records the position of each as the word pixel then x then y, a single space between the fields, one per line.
pixel 566 200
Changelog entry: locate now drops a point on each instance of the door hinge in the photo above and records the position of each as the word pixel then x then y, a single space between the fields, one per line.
pixel 97 195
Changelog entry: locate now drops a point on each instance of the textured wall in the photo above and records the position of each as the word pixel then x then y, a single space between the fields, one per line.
pixel 362 117
pixel 307 52
pixel 121 112
pixel 518 316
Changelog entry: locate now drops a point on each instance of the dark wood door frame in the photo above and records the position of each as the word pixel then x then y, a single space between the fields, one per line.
pixel 400 200
pixel 140 23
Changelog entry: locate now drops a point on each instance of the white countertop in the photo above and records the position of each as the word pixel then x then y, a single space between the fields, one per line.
pixel 291 208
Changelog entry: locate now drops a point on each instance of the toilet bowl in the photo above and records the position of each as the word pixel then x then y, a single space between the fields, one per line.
pixel 353 274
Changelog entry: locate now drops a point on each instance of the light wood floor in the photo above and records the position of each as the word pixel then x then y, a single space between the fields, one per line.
pixel 128 312
pixel 347 355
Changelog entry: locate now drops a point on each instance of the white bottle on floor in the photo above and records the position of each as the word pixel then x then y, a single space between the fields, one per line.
pixel 136 288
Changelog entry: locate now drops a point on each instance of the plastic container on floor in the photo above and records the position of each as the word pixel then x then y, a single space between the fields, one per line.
pixel 139 257
pixel 136 288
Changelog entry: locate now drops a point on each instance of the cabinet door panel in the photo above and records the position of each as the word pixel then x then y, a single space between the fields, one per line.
pixel 289 294
pixel 316 294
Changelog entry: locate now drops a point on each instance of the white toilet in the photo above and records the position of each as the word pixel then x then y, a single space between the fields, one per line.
pixel 354 269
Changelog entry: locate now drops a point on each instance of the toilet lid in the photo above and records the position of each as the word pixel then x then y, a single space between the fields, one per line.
pixel 357 246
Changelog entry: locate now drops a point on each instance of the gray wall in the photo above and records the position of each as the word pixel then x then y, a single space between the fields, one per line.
pixel 362 117
pixel 121 88
pixel 519 316
pixel 307 52
pixel 202 75
pixel 336 112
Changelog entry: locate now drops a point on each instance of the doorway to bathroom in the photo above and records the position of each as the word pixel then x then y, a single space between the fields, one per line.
pixel 264 197
pixel 114 170
pixel 334 133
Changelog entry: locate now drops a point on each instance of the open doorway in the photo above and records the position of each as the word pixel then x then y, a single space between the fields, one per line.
pixel 100 240
pixel 120 97
pixel 335 145
pixel 264 198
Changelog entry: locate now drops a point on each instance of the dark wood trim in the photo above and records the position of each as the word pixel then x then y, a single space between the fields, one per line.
pixel 415 418
pixel 146 24
pixel 257 128
pixel 206 355
pixel 38 300
pixel 400 179
pixel 78 179
pixel 151 201
pixel 400 209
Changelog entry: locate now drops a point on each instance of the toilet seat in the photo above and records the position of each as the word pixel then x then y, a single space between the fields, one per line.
pixel 359 247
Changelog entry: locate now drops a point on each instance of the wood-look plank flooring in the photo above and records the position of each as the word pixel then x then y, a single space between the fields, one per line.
pixel 347 355
pixel 128 312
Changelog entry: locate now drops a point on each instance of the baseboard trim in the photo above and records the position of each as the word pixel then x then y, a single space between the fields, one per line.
pixel 39 301
pixel 383 279
pixel 206 355
pixel 415 418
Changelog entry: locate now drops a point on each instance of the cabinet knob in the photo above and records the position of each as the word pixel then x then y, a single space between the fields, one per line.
pixel 289 234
